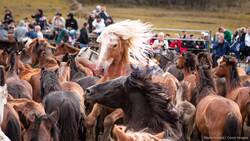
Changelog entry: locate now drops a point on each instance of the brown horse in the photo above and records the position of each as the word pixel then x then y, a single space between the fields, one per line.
pixel 187 62
pixel 32 52
pixel 67 85
pixel 217 118
pixel 241 95
pixel 3 57
pixel 11 125
pixel 204 58
pixel 64 48
pixel 36 124
pixel 16 87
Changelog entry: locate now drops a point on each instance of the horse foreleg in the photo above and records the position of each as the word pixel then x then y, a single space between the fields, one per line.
pixel 90 122
pixel 109 122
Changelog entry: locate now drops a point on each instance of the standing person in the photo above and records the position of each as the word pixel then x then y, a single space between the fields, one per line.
pixel 40 19
pixel 20 31
pixel 220 48
pixel 38 32
pixel 83 38
pixel 8 18
pixel 247 42
pixel 227 34
pixel 31 32
pixel 98 25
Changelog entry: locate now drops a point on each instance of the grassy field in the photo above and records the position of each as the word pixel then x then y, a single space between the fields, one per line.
pixel 159 17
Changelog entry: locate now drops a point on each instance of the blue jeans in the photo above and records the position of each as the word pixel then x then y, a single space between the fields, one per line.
pixel 83 45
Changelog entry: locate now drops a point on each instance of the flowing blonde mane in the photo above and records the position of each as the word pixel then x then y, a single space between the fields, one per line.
pixel 136 33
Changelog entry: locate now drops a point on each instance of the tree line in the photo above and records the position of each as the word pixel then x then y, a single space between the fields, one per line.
pixel 196 4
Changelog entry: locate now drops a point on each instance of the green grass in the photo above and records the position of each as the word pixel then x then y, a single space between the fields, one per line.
pixel 159 17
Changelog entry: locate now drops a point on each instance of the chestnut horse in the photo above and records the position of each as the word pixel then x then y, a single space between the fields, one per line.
pixel 187 62
pixel 3 100
pixel 135 93
pixel 64 48
pixel 241 95
pixel 122 46
pixel 36 124
pixel 217 118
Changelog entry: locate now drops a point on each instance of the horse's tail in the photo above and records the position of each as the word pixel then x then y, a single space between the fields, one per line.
pixel 68 121
pixel 13 130
pixel 232 128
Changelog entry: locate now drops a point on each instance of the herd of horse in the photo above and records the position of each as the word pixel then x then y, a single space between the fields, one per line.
pixel 66 94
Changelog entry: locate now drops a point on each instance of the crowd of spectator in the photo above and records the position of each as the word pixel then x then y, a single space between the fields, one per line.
pixel 224 42
pixel 56 29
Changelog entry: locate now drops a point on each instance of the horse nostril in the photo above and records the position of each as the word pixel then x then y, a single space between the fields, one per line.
pixel 88 92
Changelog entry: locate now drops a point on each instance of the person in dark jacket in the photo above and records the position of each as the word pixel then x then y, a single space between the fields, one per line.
pixel 40 19
pixel 83 38
pixel 220 48
pixel 71 22
pixel 8 18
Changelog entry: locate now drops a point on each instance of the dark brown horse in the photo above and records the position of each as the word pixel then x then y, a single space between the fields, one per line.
pixel 67 104
pixel 134 93
pixel 217 118
pixel 241 95
pixel 16 87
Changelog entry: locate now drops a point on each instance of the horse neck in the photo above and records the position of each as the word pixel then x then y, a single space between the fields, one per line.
pixel 232 80
pixel 187 72
pixel 135 106
pixel 115 70
pixel 64 76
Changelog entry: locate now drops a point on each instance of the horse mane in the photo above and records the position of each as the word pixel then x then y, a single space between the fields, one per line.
pixel 49 82
pixel 13 65
pixel 2 76
pixel 205 59
pixel 234 76
pixel 136 34
pixel 205 84
pixel 190 62
pixel 162 110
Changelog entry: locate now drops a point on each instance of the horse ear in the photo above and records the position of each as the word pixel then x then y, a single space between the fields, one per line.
pixel 58 62
pixel 55 116
pixel 56 71
pixel 68 62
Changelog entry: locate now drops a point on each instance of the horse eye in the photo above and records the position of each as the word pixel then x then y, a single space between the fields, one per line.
pixel 114 46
